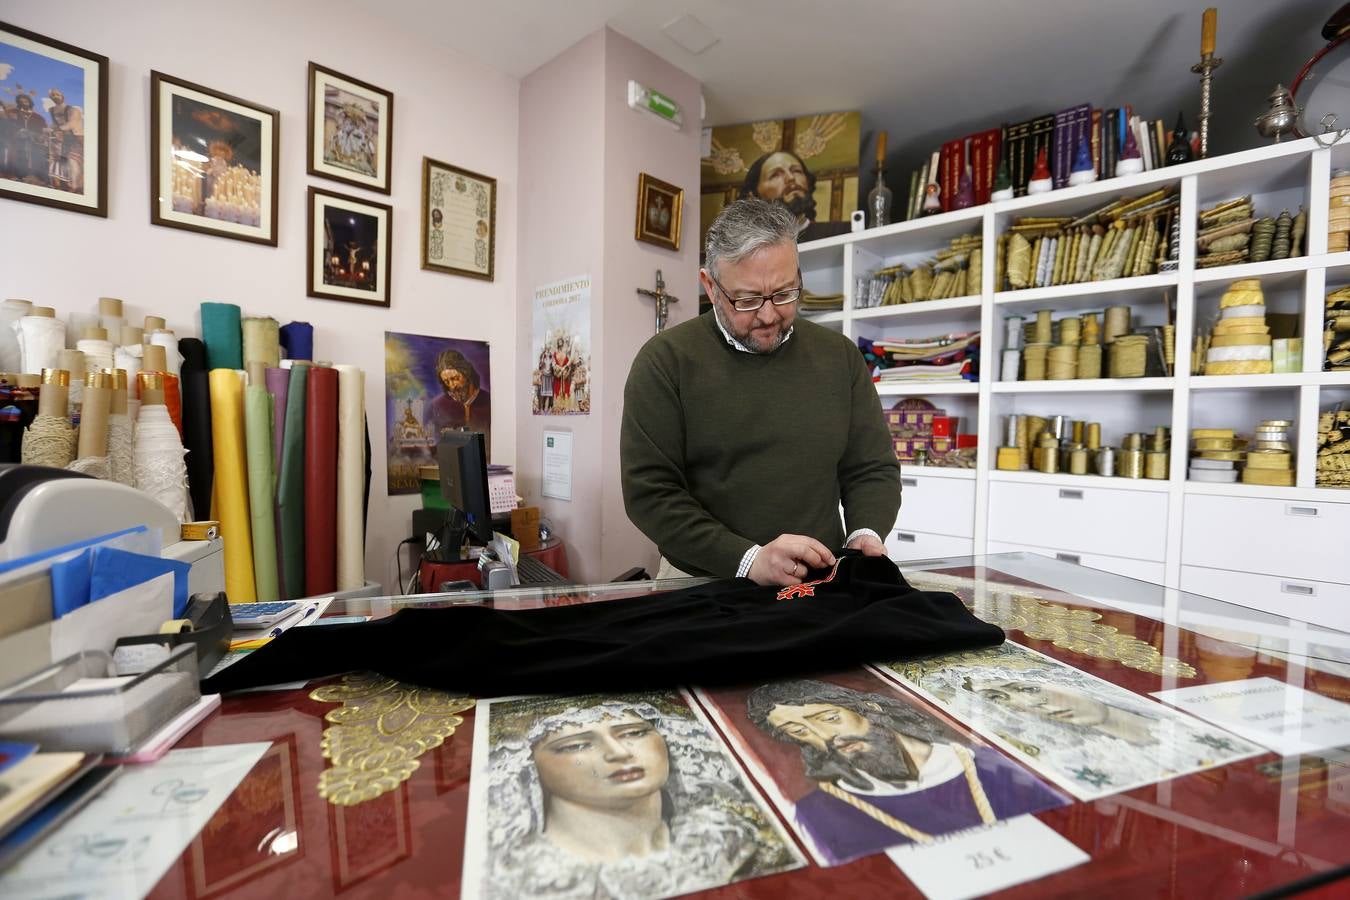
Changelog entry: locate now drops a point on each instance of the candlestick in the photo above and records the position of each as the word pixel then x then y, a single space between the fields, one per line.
pixel 1209 26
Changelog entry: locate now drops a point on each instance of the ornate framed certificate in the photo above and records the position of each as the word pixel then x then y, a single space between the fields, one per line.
pixel 459 220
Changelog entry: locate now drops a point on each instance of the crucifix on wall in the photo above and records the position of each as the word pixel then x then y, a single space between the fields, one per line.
pixel 663 300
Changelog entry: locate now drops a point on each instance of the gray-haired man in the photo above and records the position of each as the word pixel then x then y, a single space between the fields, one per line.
pixel 744 429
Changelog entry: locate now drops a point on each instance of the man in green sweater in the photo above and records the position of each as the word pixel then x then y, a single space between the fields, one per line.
pixel 745 428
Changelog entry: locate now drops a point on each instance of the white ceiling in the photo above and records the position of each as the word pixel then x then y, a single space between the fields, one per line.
pixel 926 71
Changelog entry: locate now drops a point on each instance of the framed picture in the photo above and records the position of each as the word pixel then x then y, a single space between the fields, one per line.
pixel 351 127
pixel 213 161
pixel 53 123
pixel 659 210
pixel 459 220
pixel 348 248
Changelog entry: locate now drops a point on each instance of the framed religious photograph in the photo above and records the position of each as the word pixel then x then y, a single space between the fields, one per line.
pixel 348 248
pixel 351 130
pixel 213 162
pixel 53 123
pixel 659 211
pixel 459 220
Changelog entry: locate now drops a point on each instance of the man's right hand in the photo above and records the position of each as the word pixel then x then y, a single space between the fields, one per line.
pixel 787 558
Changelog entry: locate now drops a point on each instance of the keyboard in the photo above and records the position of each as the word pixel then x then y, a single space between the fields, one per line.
pixel 532 571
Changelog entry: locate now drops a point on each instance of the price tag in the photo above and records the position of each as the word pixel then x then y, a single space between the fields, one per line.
pixel 978 861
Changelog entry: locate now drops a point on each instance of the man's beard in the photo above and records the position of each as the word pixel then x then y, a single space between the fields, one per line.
pixel 747 340
pixel 884 759
pixel 803 206
pixel 461 393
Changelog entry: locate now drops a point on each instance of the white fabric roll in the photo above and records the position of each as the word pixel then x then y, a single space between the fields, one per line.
pixel 121 448
pixel 169 342
pixel 98 354
pixel 351 472
pixel 113 325
pixel 11 311
pixel 1242 312
pixel 1214 476
pixel 1238 354
pixel 158 454
pixel 76 323
pixel 130 358
pixel 41 341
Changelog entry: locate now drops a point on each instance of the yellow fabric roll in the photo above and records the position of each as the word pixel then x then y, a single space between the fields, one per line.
pixel 351 472
pixel 231 483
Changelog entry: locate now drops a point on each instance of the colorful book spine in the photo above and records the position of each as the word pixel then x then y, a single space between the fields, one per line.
pixel 1042 135
pixel 914 190
pixel 953 161
pixel 1110 143
pixel 984 150
pixel 1160 131
pixel 1061 154
pixel 1095 140
pixel 1015 138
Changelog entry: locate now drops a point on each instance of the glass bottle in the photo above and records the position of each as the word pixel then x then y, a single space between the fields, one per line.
pixel 879 198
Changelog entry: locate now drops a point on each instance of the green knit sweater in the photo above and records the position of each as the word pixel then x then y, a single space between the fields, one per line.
pixel 723 449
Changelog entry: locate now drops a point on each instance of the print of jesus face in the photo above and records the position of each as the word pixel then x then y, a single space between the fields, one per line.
pixel 1059 704
pixel 604 766
pixel 823 726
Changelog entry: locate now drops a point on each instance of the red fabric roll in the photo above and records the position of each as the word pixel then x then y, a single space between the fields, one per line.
pixel 173 399
pixel 321 482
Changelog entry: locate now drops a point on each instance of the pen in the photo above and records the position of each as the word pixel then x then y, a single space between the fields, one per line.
pixel 280 629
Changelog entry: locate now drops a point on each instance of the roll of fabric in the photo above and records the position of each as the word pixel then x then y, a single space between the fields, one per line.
pixel 262 341
pixel 49 441
pixel 297 340
pixel 291 487
pixel 231 483
pixel 173 399
pixel 122 449
pixel 277 381
pixel 195 388
pixel 351 469
pixel 258 413
pixel 222 333
pixel 11 311
pixel 41 340
pixel 321 481
pixel 128 358
pixel 173 360
pixel 98 353
pixel 158 461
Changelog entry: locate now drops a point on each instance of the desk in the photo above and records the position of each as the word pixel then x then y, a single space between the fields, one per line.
pixel 1246 827
pixel 431 575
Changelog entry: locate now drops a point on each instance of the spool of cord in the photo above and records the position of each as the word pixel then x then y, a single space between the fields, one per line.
pixel 1011 362
pixel 1034 361
pixel 1068 331
pixel 1089 360
pixel 1155 465
pixel 1062 364
pixel 1078 461
pixel 1045 328
pixel 1117 323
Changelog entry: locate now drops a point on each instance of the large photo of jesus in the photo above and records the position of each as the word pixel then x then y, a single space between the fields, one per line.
pixel 610 796
pixel 857 766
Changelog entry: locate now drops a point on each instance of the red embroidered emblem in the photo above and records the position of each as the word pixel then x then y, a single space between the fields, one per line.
pixel 808 589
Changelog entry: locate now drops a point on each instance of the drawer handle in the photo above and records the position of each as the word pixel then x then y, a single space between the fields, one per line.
pixel 1070 494
pixel 905 537
pixel 1302 511
pixel 1303 590
pixel 1070 558
pixel 909 482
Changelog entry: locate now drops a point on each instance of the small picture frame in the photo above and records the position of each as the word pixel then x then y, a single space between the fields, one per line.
pixel 53 123
pixel 660 208
pixel 349 241
pixel 459 220
pixel 213 162
pixel 351 130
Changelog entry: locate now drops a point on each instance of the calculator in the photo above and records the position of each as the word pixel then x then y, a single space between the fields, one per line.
pixel 261 615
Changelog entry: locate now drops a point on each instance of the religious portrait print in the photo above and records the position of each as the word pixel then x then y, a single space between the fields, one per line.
pixel 1088 736
pixel 349 240
pixel 561 348
pixel 350 129
pixel 857 766
pixel 618 795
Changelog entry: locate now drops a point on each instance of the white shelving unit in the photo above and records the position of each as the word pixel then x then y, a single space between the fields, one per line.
pixel 1280 549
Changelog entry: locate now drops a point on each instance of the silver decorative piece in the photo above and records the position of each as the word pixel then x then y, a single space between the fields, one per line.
pixel 1205 69
pixel 662 298
pixel 1282 116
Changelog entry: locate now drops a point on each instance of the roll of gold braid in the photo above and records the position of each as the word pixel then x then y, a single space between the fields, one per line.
pixel 1090 361
pixel 1155 465
pixel 1170 347
pixel 1062 364
pixel 1044 327
pixel 1132 441
pixel 1078 461
pixel 1117 323
pixel 1047 455
pixel 1094 435
pixel 1129 355
pixel 1077 431
pixel 1035 428
pixel 1160 438
pixel 1023 444
pixel 1068 331
pixel 1033 361
pixel 1090 330
pixel 1130 464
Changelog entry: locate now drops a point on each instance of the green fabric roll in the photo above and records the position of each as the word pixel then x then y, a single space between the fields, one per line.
pixel 223 335
pixel 291 487
pixel 258 424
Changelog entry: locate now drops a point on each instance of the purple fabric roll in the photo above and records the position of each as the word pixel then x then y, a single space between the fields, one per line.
pixel 278 382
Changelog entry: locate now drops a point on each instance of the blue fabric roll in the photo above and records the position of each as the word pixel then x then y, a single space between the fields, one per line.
pixel 297 340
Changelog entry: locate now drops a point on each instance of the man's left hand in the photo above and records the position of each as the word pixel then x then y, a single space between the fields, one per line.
pixel 869 545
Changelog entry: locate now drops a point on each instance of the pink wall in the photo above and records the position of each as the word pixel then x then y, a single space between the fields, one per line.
pixel 575 119
pixel 446 106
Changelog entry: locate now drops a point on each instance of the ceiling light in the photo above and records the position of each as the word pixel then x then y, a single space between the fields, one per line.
pixel 690 33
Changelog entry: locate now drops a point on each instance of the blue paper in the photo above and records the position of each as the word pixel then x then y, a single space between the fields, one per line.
pixel 117 570
pixel 13 564
pixel 70 583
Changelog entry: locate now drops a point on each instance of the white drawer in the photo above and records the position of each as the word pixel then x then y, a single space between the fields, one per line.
pixel 902 544
pixel 1130 524
pixel 1318 602
pixel 1142 570
pixel 1268 537
pixel 937 505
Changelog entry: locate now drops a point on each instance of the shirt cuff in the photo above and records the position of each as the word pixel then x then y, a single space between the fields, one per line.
pixel 859 533
pixel 748 560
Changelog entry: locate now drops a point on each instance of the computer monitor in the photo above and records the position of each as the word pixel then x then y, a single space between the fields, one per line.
pixel 464 480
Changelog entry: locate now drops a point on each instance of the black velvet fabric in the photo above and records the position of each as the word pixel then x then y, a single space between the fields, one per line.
pixel 194 385
pixel 725 632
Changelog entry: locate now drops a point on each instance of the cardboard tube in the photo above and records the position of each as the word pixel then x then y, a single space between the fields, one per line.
pixel 131 334
pixel 152 388
pixel 43 312
pixel 118 407
pixel 153 324
pixel 155 359
pixel 55 395
pixel 73 361
pixel 109 306
pixel 94 333
pixel 94 420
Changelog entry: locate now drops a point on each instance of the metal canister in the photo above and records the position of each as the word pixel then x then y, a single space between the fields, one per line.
pixel 1106 461
pixel 1010 435
pixel 1056 427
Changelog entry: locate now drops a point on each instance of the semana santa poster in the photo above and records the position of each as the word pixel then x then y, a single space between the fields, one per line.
pixel 431 385
pixel 561 348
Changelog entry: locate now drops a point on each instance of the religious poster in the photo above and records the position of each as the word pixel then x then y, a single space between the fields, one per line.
pixel 1087 735
pixel 561 348
pixel 857 766
pixel 431 385
pixel 617 795
pixel 808 163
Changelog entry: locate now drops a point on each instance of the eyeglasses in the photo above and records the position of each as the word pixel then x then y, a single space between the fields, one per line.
pixel 750 304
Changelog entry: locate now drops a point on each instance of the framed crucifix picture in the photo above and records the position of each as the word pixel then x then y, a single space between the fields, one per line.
pixel 459 220
pixel 659 211
pixel 348 248
pixel 53 123
pixel 351 126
